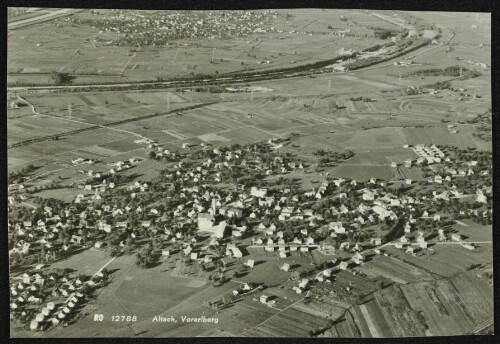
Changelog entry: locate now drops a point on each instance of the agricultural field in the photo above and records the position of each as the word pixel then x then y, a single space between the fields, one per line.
pixel 448 258
pixel 237 119
pixel 83 50
pixel 395 270
pixel 376 316
pixel 99 108
pixel 437 304
pixel 445 302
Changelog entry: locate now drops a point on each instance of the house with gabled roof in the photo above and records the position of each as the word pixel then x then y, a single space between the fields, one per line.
pixel 267 201
pixel 369 195
pixel 122 224
pixel 358 258
pixel 381 212
pixel 345 245
pixel 343 209
pixel 363 208
pixel 257 241
pixel 337 227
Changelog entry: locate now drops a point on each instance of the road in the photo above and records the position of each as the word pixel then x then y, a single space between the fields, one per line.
pixel 33 110
pixel 464 242
pixel 128 62
pixel 43 17
pixel 257 76
pixel 483 326
pixel 406 58
pixel 102 267
pixel 417 244
pixel 29 205
pixel 109 126
pixel 187 83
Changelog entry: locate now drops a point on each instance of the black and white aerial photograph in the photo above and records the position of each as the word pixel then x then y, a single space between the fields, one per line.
pixel 302 172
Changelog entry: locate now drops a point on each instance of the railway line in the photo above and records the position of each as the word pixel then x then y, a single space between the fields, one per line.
pixel 102 126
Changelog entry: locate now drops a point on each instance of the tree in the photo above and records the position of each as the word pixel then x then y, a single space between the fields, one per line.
pixel 60 78
pixel 146 257
pixel 128 245
pixel 296 274
pixel 115 251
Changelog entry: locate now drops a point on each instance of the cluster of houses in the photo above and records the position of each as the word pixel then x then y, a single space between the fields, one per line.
pixel 77 161
pixel 403 63
pixel 221 213
pixel 158 152
pixel 452 128
pixel 123 165
pixel 42 297
pixel 429 155
pixel 374 206
pixel 202 205
pixel 280 220
pixel 44 234
pixel 116 167
pixel 444 172
pixel 16 193
pixel 478 64
pixel 161 27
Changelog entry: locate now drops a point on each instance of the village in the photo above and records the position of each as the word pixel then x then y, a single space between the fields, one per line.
pixel 179 25
pixel 260 173
pixel 216 203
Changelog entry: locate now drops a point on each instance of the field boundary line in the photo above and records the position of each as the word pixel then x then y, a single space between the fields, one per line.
pixel 102 267
pixel 126 64
pixel 272 316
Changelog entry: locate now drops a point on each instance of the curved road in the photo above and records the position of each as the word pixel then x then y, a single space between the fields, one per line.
pixel 43 17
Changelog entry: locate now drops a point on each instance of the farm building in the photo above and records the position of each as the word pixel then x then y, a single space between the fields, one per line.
pixel 337 227
pixel 381 211
pixel 357 258
pixel 468 246
pixel 233 251
pixel 343 265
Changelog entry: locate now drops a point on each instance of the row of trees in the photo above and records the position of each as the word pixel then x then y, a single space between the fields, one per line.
pixel 448 71
pixel 60 78
pixel 21 174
